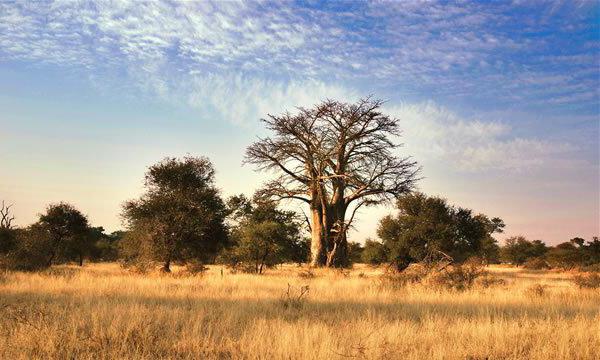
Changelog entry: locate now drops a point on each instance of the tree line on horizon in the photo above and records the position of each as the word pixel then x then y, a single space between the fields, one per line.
pixel 336 158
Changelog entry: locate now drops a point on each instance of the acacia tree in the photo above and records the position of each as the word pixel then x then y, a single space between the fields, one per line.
pixel 66 228
pixel 336 157
pixel 181 215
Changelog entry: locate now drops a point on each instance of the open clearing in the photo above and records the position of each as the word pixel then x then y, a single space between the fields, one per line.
pixel 102 311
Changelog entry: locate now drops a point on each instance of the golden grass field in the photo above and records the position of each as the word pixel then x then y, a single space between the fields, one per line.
pixel 103 312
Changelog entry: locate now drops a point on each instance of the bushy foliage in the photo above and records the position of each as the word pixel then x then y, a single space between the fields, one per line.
pixel 536 263
pixel 374 253
pixel 105 246
pixel 427 224
pixel 7 240
pixel 355 251
pixel 181 212
pixel 30 251
pixel 517 250
pixel 262 236
pixel 412 274
pixel 258 245
pixel 576 253
pixel 62 234
pixel 67 230
pixel 195 267
pixel 441 275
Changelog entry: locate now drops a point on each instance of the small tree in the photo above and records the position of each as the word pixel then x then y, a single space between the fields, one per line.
pixel 592 251
pixel 66 228
pixel 260 245
pixel 181 212
pixel 263 236
pixel 566 255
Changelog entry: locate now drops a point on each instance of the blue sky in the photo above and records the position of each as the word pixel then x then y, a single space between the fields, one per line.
pixel 498 101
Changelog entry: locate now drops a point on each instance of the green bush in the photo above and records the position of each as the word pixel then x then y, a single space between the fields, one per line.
pixel 373 253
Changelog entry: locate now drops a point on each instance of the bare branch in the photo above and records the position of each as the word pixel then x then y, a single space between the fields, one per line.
pixel 6 218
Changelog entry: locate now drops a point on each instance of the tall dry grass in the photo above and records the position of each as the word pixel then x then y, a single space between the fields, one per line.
pixel 103 312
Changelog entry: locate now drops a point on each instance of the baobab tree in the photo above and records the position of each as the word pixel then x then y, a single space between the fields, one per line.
pixel 336 157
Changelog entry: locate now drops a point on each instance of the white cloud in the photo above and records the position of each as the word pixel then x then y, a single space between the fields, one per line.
pixel 244 60
pixel 434 133
pixel 441 50
pixel 242 99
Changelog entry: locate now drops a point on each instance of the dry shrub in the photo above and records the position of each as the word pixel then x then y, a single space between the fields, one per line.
pixel 306 274
pixel 591 268
pixel 537 290
pixel 591 281
pixel 4 277
pixel 195 267
pixel 294 299
pixel 137 266
pixel 414 273
pixel 536 264
pixel 61 272
pixel 486 280
pixel 439 275
pixel 458 277
pixel 344 273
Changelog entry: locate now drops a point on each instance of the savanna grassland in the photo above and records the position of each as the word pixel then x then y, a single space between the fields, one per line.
pixel 102 311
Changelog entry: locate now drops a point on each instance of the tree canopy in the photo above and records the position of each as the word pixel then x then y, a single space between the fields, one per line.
pixel 262 235
pixel 181 212
pixel 336 157
pixel 517 249
pixel 67 229
pixel 426 225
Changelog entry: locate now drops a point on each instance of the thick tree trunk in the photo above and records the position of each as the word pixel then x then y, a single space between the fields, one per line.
pixel 338 257
pixel 329 246
pixel 318 240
